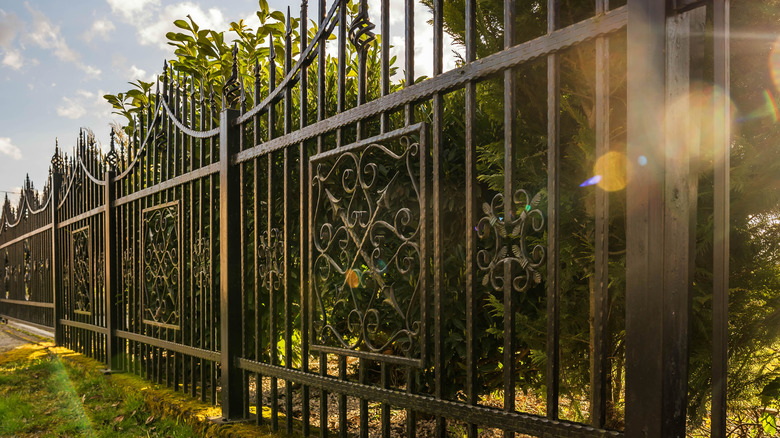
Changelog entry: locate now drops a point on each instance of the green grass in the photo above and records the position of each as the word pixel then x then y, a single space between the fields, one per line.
pixel 42 395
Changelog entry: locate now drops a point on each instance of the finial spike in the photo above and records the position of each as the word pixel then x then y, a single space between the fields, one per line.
pixel 289 31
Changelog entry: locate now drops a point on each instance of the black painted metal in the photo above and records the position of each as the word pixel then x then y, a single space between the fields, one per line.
pixel 328 247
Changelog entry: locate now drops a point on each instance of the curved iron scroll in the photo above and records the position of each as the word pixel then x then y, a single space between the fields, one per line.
pixel 507 241
pixel 161 265
pixel 8 272
pixel 270 249
pixel 368 251
pixel 82 291
pixel 201 263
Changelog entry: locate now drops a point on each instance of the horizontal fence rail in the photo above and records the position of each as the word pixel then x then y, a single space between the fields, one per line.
pixel 368 251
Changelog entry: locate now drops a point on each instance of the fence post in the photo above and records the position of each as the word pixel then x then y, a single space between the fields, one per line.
pixel 229 267
pixel 56 265
pixel 109 266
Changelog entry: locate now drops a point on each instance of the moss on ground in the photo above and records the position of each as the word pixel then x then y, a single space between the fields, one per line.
pixel 48 391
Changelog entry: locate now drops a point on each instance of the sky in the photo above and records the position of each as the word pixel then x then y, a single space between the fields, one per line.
pixel 58 58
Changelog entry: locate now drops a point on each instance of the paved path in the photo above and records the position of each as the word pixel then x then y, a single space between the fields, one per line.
pixel 7 341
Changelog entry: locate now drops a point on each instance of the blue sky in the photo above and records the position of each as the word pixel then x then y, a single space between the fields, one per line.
pixel 58 58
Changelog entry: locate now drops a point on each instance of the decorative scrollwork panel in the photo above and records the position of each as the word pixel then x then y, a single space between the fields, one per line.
pixel 82 275
pixel 505 234
pixel 368 252
pixel 161 266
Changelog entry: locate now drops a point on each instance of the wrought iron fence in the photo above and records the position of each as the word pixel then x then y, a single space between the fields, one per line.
pixel 284 257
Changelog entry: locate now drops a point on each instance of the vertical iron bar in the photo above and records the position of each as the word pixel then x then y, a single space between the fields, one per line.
pixel 286 261
pixel 411 415
pixel 471 216
pixel 361 99
pixel 363 380
pixel 599 300
pixel 438 274
pixel 256 255
pixel 385 382
pixel 323 358
pixel 272 341
pixel 510 109
pixel 303 230
pixel 409 57
pixel 341 68
pixel 342 398
pixel 229 270
pixel 553 220
pixel 385 61
pixel 57 276
pixel 321 63
pixel 720 268
pixel 361 73
pixel 109 272
pixel 191 209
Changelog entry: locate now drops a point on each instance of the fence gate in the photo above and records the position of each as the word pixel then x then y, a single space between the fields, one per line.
pixel 365 250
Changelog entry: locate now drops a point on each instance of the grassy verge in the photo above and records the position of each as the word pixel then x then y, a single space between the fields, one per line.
pixel 44 394
pixel 48 391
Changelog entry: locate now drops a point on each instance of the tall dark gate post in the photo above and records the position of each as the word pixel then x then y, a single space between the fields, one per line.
pixel 109 242
pixel 661 204
pixel 56 266
pixel 230 266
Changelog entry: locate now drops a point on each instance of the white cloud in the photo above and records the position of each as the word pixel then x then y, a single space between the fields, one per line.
pixel 100 28
pixel 397 12
pixel 92 72
pixel 136 73
pixel 84 102
pixel 423 45
pixel 129 9
pixel 8 148
pixel 13 58
pixel 46 35
pixel 71 109
pixel 152 21
pixel 10 25
pixel 154 33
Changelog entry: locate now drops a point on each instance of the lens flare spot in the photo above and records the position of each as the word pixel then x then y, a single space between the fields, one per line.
pixel 353 278
pixel 642 160
pixel 382 266
pixel 612 168
pixel 694 119
pixel 592 181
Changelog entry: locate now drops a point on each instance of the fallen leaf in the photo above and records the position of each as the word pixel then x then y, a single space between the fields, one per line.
pixel 83 398
pixel 115 405
pixel 119 418
pixel 150 419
